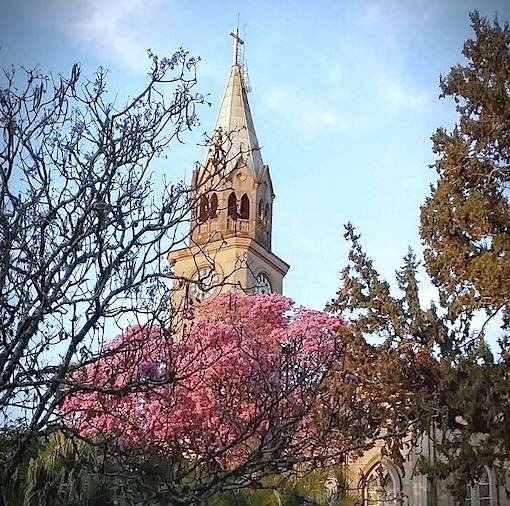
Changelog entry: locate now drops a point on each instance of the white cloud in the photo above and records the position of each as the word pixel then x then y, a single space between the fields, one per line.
pixel 118 28
pixel 391 14
pixel 301 111
pixel 314 117
pixel 373 13
pixel 402 97
pixel 328 118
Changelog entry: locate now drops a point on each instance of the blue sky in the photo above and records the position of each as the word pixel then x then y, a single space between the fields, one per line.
pixel 345 98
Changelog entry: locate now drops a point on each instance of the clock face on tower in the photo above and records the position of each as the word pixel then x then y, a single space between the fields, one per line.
pixel 262 284
pixel 204 284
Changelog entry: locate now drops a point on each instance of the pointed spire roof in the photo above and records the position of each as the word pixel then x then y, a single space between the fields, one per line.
pixel 234 117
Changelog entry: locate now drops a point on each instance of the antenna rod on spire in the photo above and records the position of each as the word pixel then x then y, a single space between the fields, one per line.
pixel 237 46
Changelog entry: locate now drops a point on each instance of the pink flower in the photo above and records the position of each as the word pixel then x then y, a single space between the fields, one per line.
pixel 248 363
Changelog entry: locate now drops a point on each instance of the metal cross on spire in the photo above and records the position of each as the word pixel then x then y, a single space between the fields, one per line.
pixel 238 42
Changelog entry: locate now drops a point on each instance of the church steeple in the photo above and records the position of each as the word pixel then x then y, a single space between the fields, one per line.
pixel 231 222
pixel 234 116
pixel 242 178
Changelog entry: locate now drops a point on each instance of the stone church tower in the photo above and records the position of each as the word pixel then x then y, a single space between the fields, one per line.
pixel 232 200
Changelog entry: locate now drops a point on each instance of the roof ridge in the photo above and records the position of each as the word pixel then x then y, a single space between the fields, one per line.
pixel 235 119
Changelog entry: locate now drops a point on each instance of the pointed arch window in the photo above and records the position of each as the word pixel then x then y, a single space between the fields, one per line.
pixel 266 216
pixel 261 210
pixel 479 494
pixel 232 206
pixel 245 208
pixel 203 209
pixel 381 487
pixel 213 206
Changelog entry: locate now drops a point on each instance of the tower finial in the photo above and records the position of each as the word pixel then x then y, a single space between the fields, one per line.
pixel 238 42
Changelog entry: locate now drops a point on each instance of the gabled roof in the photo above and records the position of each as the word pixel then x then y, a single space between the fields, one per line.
pixel 234 119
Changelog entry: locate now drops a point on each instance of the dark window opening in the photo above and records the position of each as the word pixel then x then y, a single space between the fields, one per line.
pixel 213 206
pixel 266 216
pixel 203 210
pixel 232 206
pixel 245 207
pixel 261 210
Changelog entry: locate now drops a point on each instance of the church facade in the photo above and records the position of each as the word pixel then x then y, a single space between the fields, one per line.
pixel 230 248
pixel 375 480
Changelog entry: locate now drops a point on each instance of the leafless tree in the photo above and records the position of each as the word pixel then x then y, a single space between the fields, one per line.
pixel 84 236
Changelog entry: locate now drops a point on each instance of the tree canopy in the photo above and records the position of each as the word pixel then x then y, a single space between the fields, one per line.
pixel 459 385
pixel 465 221
pixel 255 388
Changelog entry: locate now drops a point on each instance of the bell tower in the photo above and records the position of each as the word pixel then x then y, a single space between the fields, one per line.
pixel 232 208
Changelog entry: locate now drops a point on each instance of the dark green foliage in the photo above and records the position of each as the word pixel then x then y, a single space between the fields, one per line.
pixel 405 338
pixel 288 490
pixel 465 222
pixel 465 225
pixel 392 319
pixel 61 470
pixel 438 377
pixel 57 470
pixel 435 360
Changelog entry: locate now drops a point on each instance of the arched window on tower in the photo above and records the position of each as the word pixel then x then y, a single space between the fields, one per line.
pixel 232 206
pixel 245 208
pixel 203 209
pixel 213 206
pixel 261 210
pixel 266 216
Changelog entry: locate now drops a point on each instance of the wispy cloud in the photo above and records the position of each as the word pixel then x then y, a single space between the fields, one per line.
pixel 302 112
pixel 117 28
pixel 328 118
pixel 395 12
pixel 374 12
pixel 367 77
pixel 400 96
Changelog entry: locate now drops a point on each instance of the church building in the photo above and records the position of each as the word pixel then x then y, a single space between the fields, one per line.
pixel 230 248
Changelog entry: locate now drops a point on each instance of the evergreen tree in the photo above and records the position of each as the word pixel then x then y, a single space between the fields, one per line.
pixel 433 359
pixel 465 222
pixel 465 225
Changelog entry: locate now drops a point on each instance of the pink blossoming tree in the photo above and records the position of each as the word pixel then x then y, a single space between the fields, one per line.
pixel 256 386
